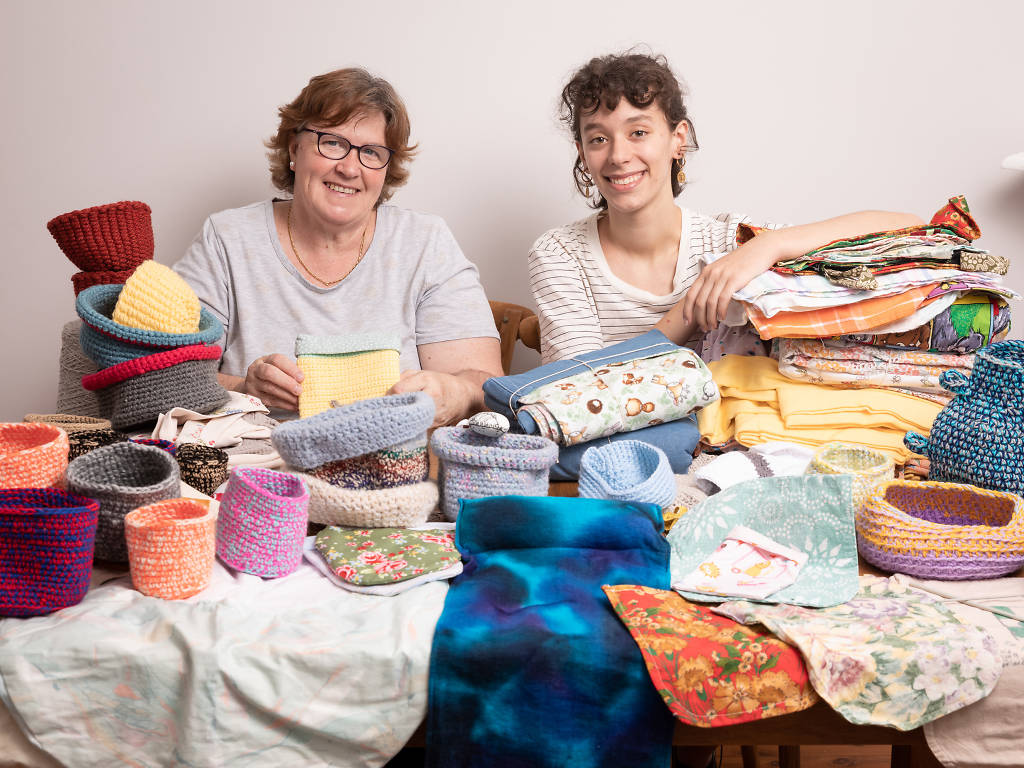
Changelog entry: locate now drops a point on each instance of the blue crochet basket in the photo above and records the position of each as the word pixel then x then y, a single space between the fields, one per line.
pixel 108 343
pixel 627 470
pixel 978 438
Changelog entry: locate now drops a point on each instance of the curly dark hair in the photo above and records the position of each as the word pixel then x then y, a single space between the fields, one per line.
pixel 639 78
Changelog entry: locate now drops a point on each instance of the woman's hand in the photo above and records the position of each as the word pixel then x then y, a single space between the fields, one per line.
pixel 276 380
pixel 707 299
pixel 452 394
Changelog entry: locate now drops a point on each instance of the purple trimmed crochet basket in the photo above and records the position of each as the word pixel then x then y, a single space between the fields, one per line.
pixel 474 466
pixel 262 521
pixel 46 548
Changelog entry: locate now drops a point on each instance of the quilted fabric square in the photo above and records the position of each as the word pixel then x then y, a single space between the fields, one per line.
pixel 710 670
pixel 811 513
pixel 369 556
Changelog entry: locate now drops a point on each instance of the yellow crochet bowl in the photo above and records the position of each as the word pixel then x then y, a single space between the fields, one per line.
pixel 155 298
pixel 870 468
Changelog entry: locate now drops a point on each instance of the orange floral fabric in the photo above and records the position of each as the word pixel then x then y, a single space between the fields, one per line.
pixel 710 670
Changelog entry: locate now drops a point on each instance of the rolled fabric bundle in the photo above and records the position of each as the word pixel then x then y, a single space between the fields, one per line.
pixel 171 547
pixel 870 468
pixel 947 531
pixel 627 470
pixel 91 439
pixel 156 298
pixel 72 397
pixel 403 506
pixel 122 477
pixel 262 522
pixel 82 280
pixel 69 422
pixel 32 455
pixel 115 236
pixel 473 466
pixel 46 549
pixel 203 467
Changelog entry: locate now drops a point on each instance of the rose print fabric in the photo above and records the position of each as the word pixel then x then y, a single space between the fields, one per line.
pixel 368 556
pixel 710 670
pixel 621 397
pixel 891 656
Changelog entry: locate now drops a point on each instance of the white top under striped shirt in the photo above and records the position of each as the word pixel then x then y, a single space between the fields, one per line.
pixel 583 306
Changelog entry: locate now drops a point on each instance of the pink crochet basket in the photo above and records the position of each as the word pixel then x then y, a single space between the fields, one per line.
pixel 33 455
pixel 262 521
pixel 171 546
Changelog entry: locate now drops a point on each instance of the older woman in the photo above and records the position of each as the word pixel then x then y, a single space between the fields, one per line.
pixel 335 259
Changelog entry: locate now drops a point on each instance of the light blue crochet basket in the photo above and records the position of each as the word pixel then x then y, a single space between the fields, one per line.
pixel 627 470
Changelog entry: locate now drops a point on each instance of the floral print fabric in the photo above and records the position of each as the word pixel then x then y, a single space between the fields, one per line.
pixel 621 397
pixel 892 656
pixel 368 556
pixel 710 670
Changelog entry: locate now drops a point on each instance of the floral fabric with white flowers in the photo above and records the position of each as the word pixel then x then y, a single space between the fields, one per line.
pixel 369 556
pixel 621 397
pixel 892 656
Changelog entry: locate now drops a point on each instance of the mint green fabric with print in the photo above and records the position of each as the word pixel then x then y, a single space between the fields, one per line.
pixel 811 513
pixel 370 556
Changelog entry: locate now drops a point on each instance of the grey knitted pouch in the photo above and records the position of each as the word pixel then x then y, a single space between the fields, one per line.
pixel 122 477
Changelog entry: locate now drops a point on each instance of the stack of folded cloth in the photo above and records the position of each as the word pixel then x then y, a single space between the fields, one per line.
pixel 153 344
pixel 365 464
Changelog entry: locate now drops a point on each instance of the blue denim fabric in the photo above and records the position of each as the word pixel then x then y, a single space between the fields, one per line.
pixel 676 438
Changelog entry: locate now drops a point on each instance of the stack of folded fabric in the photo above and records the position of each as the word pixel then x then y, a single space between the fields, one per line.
pixel 106 243
pixel 365 463
pixel 154 345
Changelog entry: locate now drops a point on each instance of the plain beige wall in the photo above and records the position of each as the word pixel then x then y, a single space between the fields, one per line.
pixel 803 110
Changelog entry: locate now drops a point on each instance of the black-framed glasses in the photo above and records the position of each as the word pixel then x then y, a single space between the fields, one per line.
pixel 335 147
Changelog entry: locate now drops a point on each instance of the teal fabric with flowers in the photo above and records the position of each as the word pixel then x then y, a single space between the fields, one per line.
pixel 369 556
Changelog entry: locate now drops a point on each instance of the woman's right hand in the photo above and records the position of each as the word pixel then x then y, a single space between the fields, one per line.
pixel 276 380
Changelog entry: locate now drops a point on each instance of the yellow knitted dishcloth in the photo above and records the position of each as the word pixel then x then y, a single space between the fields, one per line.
pixel 155 298
pixel 345 378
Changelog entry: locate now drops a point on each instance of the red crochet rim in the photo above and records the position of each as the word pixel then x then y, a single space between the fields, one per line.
pixel 140 365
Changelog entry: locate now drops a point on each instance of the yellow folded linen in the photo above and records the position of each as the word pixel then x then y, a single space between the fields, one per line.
pixel 759 404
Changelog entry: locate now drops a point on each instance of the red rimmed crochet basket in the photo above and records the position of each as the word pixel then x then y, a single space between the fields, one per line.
pixel 46 543
pixel 112 237
pixel 171 547
pixel 32 455
pixel 82 280
pixel 946 531
pixel 261 523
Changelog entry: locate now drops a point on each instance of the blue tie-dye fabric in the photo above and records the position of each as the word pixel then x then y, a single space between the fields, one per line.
pixel 530 666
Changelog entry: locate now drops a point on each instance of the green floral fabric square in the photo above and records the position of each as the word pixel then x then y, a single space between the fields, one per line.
pixel 369 556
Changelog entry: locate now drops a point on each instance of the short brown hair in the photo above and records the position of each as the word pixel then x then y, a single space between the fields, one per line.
pixel 639 78
pixel 332 99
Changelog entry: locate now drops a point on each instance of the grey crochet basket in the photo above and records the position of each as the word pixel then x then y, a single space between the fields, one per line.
pixel 122 477
pixel 473 466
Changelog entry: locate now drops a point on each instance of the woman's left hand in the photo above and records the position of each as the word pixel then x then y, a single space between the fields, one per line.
pixel 452 395
pixel 707 299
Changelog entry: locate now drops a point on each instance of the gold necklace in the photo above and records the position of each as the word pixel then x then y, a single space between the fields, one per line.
pixel 327 283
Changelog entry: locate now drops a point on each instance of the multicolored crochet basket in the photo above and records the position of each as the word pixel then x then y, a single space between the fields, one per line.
pixel 870 468
pixel 473 466
pixel 122 477
pixel 978 438
pixel 32 455
pixel 947 531
pixel 262 521
pixel 171 547
pixel 46 548
pixel 90 439
pixel 203 467
pixel 116 236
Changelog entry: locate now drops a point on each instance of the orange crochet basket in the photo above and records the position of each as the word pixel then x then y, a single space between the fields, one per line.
pixel 171 547
pixel 32 455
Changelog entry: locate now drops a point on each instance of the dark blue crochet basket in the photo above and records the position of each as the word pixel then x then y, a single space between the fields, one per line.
pixel 46 549
pixel 978 438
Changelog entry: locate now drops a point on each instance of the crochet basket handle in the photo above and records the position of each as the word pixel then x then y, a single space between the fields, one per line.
pixel 955 382
pixel 917 443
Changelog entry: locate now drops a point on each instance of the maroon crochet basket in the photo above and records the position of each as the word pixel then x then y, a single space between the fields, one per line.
pixel 112 237
pixel 83 280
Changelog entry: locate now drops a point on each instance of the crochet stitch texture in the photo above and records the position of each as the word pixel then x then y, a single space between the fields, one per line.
pixel 122 477
pixel 344 369
pixel 140 399
pixel 32 455
pixel 404 506
pixel 627 470
pixel 116 236
pixel 171 547
pixel 156 298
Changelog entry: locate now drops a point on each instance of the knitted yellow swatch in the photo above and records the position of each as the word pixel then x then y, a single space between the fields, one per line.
pixel 157 299
pixel 341 370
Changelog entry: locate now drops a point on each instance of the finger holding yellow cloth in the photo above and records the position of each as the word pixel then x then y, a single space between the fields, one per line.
pixel 759 404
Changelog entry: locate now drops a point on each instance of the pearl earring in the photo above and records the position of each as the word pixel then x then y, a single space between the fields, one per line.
pixel 292 165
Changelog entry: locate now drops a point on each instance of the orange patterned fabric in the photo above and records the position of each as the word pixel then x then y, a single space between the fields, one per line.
pixel 835 321
pixel 171 546
pixel 33 455
pixel 710 670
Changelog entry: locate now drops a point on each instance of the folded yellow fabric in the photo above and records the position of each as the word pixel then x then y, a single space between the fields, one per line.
pixel 155 298
pixel 759 405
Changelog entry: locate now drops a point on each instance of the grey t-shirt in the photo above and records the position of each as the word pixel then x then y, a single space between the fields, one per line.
pixel 413 281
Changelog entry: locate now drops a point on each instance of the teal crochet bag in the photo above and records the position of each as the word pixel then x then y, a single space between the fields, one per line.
pixel 978 438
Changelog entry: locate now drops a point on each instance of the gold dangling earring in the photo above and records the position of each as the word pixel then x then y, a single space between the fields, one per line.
pixel 681 174
pixel 588 185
